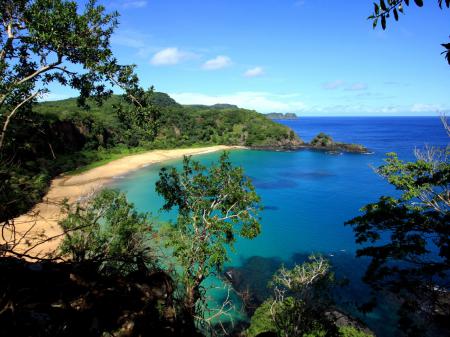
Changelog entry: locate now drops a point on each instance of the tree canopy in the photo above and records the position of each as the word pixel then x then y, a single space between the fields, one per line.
pixel 407 237
pixel 215 205
pixel 45 41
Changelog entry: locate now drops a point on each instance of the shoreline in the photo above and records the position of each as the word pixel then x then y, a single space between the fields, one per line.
pixel 37 232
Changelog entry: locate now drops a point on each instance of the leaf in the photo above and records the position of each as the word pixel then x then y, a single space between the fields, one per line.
pixel 395 14
pixel 383 5
pixel 419 2
pixel 447 2
pixel 375 23
pixel 377 9
pixel 400 8
pixel 383 22
pixel 407 2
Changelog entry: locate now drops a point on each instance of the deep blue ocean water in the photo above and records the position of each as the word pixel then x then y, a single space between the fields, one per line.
pixel 309 195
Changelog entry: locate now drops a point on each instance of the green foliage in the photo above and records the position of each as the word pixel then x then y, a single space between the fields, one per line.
pixel 322 139
pixel 385 8
pixel 407 238
pixel 301 299
pixel 177 125
pixel 18 189
pixel 215 205
pixel 139 118
pixel 41 40
pixel 108 231
pixel 349 331
pixel 227 125
pixel 261 321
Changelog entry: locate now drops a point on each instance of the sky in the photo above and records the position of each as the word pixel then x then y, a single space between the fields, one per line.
pixel 310 57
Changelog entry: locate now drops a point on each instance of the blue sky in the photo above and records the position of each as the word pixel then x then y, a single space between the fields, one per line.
pixel 312 57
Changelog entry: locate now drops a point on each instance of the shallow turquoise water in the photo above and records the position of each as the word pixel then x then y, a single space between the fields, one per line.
pixel 308 195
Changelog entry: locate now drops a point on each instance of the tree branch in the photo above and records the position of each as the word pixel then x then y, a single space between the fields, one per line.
pixel 12 113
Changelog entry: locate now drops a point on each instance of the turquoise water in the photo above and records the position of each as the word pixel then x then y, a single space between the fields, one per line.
pixel 309 195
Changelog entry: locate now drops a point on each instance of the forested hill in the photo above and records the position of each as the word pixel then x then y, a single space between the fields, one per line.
pixel 178 125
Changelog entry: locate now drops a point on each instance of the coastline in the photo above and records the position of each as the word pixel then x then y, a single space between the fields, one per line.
pixel 37 232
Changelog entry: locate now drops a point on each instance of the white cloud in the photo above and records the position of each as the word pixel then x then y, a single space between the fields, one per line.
pixel 135 40
pixel 219 62
pixel 171 56
pixel 333 85
pixel 134 3
pixel 340 84
pixel 51 96
pixel 128 39
pixel 259 101
pixel 419 107
pixel 357 86
pixel 254 72
pixel 268 102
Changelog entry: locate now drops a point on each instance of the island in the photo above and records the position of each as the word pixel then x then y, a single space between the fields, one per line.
pixel 279 115
pixel 325 142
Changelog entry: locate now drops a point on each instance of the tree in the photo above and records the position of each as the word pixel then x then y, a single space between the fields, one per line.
pixel 301 298
pixel 139 116
pixel 385 8
pixel 45 41
pixel 215 205
pixel 407 237
pixel 302 304
pixel 107 230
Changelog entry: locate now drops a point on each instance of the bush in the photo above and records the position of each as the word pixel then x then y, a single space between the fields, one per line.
pixel 108 231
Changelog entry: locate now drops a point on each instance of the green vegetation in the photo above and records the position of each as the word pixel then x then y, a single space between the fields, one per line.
pixel 349 331
pixel 322 139
pixel 407 237
pixel 301 305
pixel 180 125
pixel 45 41
pixel 214 205
pixel 107 231
pixel 301 297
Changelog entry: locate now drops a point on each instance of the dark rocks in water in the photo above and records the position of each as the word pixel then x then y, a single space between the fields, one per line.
pixel 342 320
pixel 251 280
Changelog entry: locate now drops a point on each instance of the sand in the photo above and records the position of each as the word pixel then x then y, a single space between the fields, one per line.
pixel 38 233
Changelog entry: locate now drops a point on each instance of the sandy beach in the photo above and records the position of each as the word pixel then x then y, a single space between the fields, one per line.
pixel 38 230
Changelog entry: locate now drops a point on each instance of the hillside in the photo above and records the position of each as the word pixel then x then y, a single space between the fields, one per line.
pixel 183 125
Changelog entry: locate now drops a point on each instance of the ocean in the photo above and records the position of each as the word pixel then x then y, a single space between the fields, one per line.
pixel 308 195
